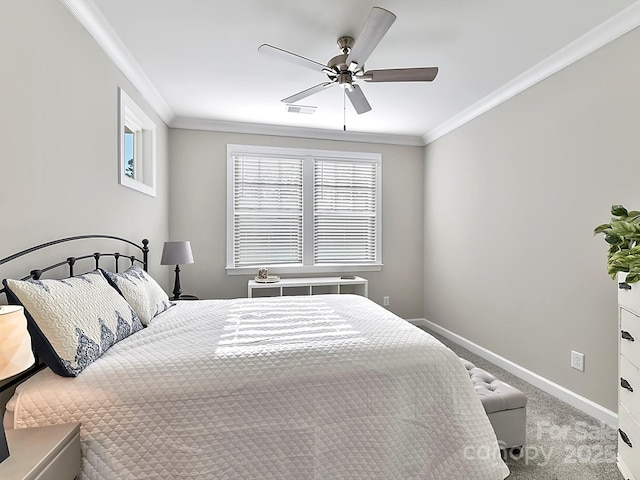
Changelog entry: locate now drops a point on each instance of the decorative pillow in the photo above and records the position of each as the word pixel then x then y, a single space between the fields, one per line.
pixel 141 291
pixel 73 321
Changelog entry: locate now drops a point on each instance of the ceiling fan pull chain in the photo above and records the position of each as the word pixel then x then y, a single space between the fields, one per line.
pixel 344 110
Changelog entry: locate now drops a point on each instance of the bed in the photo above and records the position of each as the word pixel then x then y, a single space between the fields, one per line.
pixel 309 387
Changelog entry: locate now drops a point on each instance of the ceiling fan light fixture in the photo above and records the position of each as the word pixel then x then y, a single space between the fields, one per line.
pixel 304 109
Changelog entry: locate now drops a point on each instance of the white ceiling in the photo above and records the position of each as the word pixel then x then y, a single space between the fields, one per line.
pixel 201 56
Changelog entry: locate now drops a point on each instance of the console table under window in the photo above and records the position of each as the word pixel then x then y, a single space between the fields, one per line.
pixel 309 286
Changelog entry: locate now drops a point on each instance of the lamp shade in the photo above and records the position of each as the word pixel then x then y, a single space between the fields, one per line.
pixel 15 342
pixel 176 253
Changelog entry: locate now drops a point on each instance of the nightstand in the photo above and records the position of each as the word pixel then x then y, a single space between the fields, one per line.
pixel 185 297
pixel 43 453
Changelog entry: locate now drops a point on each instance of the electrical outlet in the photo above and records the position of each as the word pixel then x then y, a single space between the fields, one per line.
pixel 577 360
pixel 385 301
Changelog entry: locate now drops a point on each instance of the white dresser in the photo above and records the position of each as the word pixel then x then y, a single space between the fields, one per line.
pixel 629 381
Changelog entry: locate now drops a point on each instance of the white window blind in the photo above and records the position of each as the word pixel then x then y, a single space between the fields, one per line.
pixel 344 224
pixel 267 211
pixel 302 210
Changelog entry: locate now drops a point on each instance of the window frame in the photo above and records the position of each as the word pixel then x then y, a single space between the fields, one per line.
pixel 132 117
pixel 308 155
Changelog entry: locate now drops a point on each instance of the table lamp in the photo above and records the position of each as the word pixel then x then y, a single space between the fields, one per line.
pixel 176 253
pixel 15 353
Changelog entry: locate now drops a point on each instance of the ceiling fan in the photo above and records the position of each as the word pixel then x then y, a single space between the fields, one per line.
pixel 347 68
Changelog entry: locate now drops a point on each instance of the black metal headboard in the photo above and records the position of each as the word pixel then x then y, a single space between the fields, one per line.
pixel 36 273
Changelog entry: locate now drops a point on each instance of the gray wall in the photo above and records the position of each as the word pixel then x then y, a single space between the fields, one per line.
pixel 198 213
pixel 511 202
pixel 58 117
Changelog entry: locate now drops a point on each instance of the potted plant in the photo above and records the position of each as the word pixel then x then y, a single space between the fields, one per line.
pixel 623 236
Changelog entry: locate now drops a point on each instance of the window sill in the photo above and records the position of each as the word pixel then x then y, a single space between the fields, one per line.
pixel 277 270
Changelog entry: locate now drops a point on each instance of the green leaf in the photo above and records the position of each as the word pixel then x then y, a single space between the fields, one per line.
pixel 619 211
pixel 624 229
pixel 613 271
pixel 632 278
pixel 601 228
pixel 613 239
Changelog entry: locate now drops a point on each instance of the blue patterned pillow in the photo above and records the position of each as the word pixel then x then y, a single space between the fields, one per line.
pixel 141 291
pixel 75 320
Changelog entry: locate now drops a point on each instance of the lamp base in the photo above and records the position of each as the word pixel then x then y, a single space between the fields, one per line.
pixel 176 286
pixel 4 448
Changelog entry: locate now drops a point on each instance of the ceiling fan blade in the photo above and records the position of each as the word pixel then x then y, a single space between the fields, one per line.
pixel 378 23
pixel 358 100
pixel 293 58
pixel 423 74
pixel 306 93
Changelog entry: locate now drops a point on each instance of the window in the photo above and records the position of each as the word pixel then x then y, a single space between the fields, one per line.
pixel 137 138
pixel 296 210
pixel 129 148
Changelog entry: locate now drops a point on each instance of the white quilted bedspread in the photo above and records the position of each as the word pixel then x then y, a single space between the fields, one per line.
pixel 318 387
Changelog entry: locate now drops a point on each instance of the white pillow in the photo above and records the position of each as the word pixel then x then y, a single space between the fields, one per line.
pixel 74 320
pixel 141 291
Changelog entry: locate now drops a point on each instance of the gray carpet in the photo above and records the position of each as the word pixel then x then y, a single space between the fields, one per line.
pixel 562 442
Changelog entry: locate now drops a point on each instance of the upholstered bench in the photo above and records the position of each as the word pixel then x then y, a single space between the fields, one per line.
pixel 505 406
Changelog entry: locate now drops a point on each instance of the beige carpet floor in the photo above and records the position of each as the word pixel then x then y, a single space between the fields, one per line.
pixel 562 442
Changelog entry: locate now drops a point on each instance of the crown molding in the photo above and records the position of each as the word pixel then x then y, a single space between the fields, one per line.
pixel 93 21
pixel 615 27
pixel 288 131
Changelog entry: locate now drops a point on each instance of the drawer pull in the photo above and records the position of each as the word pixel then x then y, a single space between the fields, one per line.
pixel 627 336
pixel 625 384
pixel 625 438
pixel 624 286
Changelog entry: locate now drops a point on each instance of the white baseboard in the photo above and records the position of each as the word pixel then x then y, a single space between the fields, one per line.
pixel 624 470
pixel 575 400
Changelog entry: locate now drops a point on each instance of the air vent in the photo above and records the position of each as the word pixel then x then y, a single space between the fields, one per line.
pixel 306 109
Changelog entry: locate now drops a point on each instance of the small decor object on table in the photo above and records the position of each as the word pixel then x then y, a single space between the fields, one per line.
pixel 264 277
